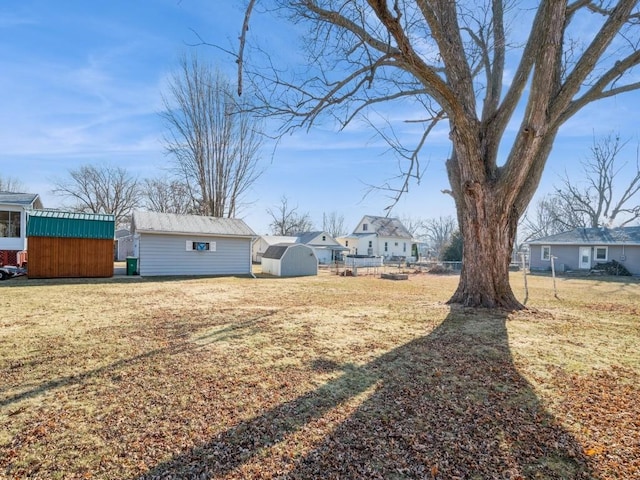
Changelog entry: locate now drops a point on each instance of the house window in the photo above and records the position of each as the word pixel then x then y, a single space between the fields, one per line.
pixel 602 253
pixel 365 227
pixel 396 244
pixel 370 244
pixel 404 247
pixel 346 243
pixel 9 224
pixel 546 252
pixel 386 246
pixel 324 238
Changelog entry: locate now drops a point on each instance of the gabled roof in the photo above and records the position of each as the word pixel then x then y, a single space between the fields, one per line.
pixel 55 223
pixel 387 226
pixel 156 222
pixel 306 237
pixel 593 236
pixel 31 200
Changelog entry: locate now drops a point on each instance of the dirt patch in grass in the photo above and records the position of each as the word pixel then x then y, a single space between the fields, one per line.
pixel 316 377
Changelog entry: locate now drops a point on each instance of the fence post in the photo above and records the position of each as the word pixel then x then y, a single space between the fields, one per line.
pixel 524 272
pixel 553 274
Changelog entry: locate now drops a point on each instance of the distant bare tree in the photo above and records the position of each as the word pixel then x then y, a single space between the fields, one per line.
pixel 550 216
pixel 215 143
pixel 333 224
pixel 167 195
pixel 412 224
pixel 105 189
pixel 11 184
pixel 438 233
pixel 287 221
pixel 594 201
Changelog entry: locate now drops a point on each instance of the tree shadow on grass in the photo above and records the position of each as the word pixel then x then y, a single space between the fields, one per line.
pixel 225 333
pixel 448 405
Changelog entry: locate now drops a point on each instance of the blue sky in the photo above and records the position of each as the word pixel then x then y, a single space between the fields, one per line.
pixel 81 83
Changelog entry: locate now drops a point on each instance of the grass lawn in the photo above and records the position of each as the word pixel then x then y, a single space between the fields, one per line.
pixel 317 377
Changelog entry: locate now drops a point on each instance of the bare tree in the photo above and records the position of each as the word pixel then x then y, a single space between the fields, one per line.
pixel 167 195
pixel 105 189
pixel 596 200
pixel 286 220
pixel 333 224
pixel 449 59
pixel 602 198
pixel 412 224
pixel 438 233
pixel 213 139
pixel 11 184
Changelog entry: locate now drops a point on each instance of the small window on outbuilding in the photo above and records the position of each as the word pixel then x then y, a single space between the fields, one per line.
pixel 365 227
pixel 324 238
pixel 602 254
pixel 370 244
pixel 545 252
pixel 201 246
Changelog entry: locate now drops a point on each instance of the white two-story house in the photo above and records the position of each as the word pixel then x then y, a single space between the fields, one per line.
pixel 14 208
pixel 379 236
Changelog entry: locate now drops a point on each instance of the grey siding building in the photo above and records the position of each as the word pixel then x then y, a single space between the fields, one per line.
pixel 170 244
pixel 584 248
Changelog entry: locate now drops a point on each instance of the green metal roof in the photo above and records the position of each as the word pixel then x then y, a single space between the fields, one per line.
pixel 54 223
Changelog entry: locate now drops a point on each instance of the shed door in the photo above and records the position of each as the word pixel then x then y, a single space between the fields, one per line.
pixel 585 257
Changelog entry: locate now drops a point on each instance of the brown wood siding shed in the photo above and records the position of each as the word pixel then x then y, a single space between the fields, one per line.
pixel 55 257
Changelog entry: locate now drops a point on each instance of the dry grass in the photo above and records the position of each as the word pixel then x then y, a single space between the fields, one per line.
pixel 317 377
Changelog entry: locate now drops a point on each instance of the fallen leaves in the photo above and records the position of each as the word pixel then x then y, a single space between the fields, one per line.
pixel 294 379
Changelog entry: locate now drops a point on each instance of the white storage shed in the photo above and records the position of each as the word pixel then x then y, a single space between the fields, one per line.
pixel 290 260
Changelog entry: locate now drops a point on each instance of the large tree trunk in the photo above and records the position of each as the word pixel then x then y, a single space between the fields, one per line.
pixel 488 235
pixel 488 223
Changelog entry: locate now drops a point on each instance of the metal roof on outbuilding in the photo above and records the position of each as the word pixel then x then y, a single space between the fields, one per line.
pixel 54 223
pixel 156 222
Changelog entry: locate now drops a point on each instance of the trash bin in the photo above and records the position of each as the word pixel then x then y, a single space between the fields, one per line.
pixel 132 265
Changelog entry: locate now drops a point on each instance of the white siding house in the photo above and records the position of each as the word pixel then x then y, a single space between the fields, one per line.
pixel 379 236
pixel 14 208
pixel 171 244
pixel 326 248
pixel 290 260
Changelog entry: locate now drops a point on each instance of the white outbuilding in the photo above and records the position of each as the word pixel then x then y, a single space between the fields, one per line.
pixel 290 260
pixel 170 244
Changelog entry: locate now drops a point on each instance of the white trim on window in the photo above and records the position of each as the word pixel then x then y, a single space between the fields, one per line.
pixel 545 252
pixel 598 251
pixel 192 246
